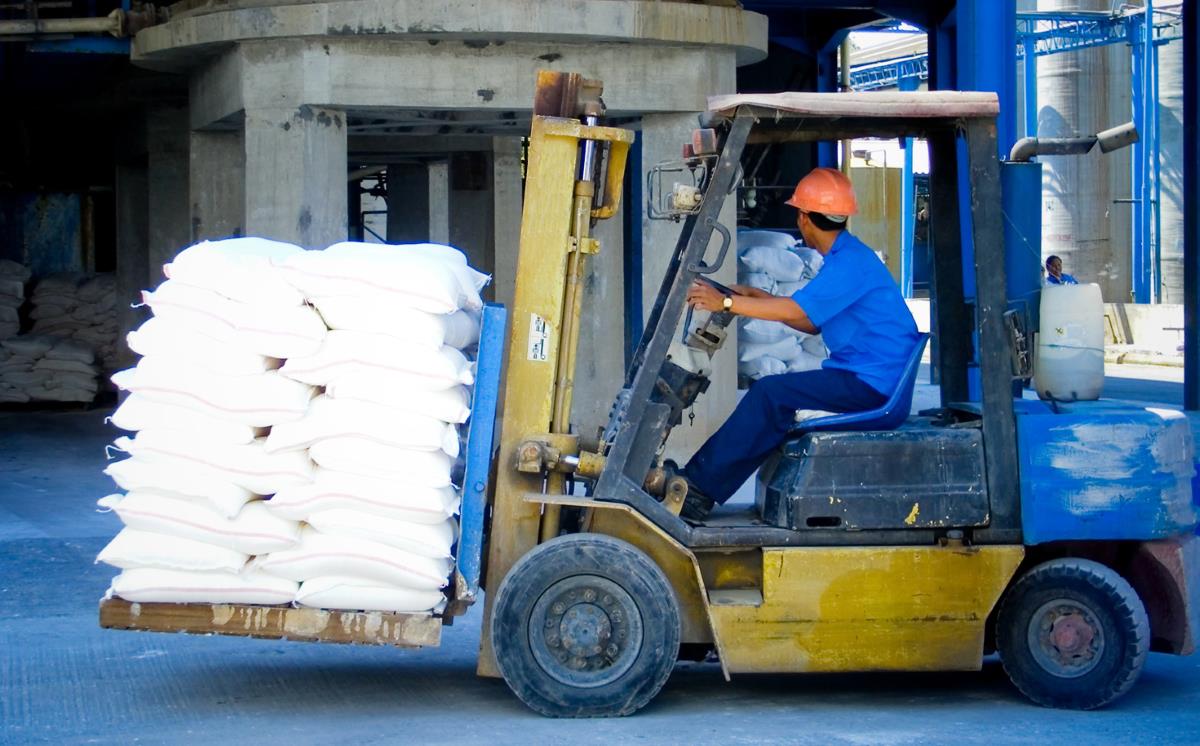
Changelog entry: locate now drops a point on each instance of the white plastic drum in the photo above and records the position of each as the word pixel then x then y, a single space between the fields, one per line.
pixel 1070 352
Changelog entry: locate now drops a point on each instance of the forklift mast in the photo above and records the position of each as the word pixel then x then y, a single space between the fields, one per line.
pixel 574 175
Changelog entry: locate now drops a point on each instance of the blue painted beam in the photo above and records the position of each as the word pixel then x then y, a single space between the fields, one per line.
pixel 82 45
pixel 480 446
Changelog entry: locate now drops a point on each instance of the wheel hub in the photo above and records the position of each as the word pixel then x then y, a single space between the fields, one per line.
pixel 1066 638
pixel 585 631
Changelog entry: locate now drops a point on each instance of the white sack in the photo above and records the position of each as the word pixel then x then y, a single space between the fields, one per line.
pixel 448 405
pixel 380 314
pixel 336 418
pixel 147 585
pixel 11 270
pixel 259 401
pixel 785 349
pixel 428 277
pixel 334 592
pixel 781 264
pixel 424 539
pixel 387 498
pixel 181 482
pixel 160 338
pixel 747 239
pixel 243 269
pixel 270 330
pixel 138 412
pixel 757 280
pixel 31 345
pixel 761 366
pixel 250 465
pixel 804 362
pixel 814 345
pixel 761 331
pixel 320 554
pixel 372 459
pixel 344 352
pixel 132 549
pixel 254 531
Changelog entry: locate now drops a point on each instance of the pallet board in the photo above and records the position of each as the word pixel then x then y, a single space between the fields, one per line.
pixel 275 622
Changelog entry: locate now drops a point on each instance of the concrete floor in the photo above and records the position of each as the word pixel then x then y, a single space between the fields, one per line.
pixel 64 680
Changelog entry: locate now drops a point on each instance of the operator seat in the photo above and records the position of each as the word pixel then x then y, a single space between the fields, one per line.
pixel 888 416
pixel 873 470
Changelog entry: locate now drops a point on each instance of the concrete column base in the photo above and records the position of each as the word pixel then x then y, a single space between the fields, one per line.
pixel 296 175
pixel 217 184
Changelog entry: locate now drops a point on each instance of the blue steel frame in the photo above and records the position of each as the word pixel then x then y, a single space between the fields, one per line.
pixel 1043 33
pixel 480 449
pixel 93 44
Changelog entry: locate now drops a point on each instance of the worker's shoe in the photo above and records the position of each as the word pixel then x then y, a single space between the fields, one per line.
pixel 696 506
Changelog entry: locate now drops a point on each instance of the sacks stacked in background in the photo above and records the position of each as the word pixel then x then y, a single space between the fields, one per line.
pixel 773 262
pixel 13 277
pixel 41 367
pixel 384 434
pixel 202 400
pixel 79 307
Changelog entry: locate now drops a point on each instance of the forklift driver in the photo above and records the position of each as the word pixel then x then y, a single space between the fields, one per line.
pixel 857 307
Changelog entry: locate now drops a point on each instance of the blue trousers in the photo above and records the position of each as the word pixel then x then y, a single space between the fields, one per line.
pixel 762 420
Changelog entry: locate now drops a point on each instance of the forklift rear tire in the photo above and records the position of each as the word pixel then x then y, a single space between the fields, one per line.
pixel 1072 633
pixel 585 625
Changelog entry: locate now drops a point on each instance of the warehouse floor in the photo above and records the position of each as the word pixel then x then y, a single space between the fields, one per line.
pixel 64 680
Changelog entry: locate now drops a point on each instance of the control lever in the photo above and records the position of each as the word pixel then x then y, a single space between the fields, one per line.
pixel 711 336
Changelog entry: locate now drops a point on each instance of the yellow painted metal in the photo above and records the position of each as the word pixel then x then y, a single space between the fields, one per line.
pixel 554 220
pixel 863 609
pixel 676 562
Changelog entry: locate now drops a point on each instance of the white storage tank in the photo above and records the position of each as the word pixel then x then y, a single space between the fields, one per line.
pixel 1070 350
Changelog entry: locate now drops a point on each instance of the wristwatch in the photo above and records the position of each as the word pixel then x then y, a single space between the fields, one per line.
pixel 727 304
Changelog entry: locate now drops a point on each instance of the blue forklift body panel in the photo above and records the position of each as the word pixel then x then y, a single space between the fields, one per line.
pixel 480 445
pixel 1104 470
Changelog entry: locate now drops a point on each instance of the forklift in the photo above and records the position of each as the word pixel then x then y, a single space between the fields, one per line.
pixel 1058 534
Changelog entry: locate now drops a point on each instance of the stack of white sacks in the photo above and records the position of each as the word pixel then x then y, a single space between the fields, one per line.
pixel 330 382
pixel 774 262
pixel 79 307
pixel 13 277
pixel 41 367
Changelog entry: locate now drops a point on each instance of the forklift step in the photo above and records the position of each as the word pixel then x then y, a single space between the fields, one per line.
pixel 735 597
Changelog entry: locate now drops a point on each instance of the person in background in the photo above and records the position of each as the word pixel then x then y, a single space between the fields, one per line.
pixel 1054 273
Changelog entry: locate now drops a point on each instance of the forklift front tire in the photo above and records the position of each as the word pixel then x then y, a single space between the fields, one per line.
pixel 1072 633
pixel 585 625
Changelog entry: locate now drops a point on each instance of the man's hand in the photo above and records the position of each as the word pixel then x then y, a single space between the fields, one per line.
pixel 705 297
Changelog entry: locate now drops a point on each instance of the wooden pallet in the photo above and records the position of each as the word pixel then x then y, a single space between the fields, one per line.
pixel 275 622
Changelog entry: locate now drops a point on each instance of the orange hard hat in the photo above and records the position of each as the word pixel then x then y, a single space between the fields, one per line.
pixel 827 191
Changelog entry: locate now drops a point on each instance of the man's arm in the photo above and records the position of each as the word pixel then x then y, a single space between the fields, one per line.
pixel 760 305
pixel 750 292
pixel 775 308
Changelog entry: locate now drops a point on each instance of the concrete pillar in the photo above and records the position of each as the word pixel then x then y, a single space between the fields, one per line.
pixel 471 208
pixel 296 175
pixel 408 203
pixel 133 263
pixel 600 369
pixel 439 202
pixel 506 223
pixel 167 209
pixel 217 177
pixel 662 137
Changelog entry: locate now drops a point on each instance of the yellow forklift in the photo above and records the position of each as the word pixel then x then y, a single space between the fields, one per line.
pixel 883 543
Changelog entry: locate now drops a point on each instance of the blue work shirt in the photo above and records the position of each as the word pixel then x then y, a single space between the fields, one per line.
pixel 1065 279
pixel 863 319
